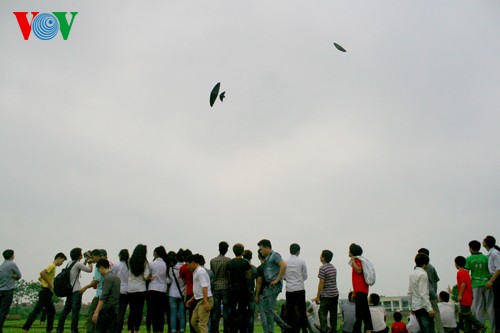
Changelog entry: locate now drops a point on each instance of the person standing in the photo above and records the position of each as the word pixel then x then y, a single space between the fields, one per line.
pixel 176 295
pixel 482 302
pixel 157 289
pixel 218 266
pixel 360 290
pixel 202 300
pixel 433 277
pixel 96 282
pixel 247 254
pixel 274 271
pixel 9 274
pixel 106 312
pixel 295 275
pixel 238 269
pixel 73 302
pixel 138 274
pixel 121 270
pixel 328 294
pixel 489 244
pixel 418 295
pixel 187 276
pixel 46 278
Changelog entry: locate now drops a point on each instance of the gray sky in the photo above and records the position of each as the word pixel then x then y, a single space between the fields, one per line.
pixel 108 140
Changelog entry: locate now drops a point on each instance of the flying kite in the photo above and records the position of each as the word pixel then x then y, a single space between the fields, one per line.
pixel 340 48
pixel 215 93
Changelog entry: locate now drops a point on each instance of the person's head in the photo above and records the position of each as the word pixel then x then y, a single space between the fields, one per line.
pixel 326 256
pixel 8 254
pixel 76 253
pixel 374 299
pixel 460 262
pixel 247 254
pixel 355 250
pixel 474 246
pixel 103 266
pixel 202 260
pixel 423 250
pixel 223 247
pixel 180 256
pixel 95 255
pixel 444 297
pixel 397 316
pixel 294 249
pixel 59 259
pixel 172 258
pixel 265 247
pixel 192 261
pixel 123 255
pixel 104 253
pixel 489 242
pixel 421 260
pixel 138 259
pixel 238 249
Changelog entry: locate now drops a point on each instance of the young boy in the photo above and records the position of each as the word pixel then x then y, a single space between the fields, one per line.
pixel 377 313
pixel 106 312
pixel 447 311
pixel 328 294
pixel 45 295
pixel 465 298
pixel 398 326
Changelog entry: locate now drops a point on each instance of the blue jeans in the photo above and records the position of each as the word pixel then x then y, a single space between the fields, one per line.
pixel 268 301
pixel 73 304
pixel 177 311
pixel 425 322
pixel 221 298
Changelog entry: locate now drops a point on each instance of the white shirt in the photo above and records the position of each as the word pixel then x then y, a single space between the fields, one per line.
pixel 418 290
pixel 201 280
pixel 377 313
pixel 493 260
pixel 159 276
pixel 447 312
pixel 295 274
pixel 174 290
pixel 121 270
pixel 137 284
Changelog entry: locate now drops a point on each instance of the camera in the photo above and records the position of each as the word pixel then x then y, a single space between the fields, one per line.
pixel 88 256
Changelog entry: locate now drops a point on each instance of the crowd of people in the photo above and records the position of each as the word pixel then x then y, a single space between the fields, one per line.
pixel 179 287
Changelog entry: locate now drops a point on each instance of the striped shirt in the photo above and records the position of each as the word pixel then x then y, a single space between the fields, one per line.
pixel 328 273
pixel 218 266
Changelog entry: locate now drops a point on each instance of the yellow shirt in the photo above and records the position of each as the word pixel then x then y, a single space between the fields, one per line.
pixel 51 273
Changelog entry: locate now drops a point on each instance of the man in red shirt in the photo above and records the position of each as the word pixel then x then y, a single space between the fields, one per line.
pixel 187 276
pixel 360 291
pixel 464 284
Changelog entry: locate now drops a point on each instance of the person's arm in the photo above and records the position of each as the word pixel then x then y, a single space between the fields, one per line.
pixel 97 310
pixel 321 284
pixel 495 276
pixel 90 285
pixel 461 292
pixel 280 274
pixel 304 271
pixel 423 293
pixel 16 273
pixel 258 285
pixel 45 277
pixel 357 268
pixel 206 305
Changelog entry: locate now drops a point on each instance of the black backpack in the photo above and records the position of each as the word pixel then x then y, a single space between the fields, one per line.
pixel 62 284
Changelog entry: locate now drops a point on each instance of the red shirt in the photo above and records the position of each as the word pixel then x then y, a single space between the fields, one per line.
pixel 399 327
pixel 187 276
pixel 463 277
pixel 358 279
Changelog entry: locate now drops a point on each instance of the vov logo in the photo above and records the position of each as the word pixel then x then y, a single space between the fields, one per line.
pixel 45 26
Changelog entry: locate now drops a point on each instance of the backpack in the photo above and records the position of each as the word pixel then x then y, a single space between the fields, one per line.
pixel 368 271
pixel 62 284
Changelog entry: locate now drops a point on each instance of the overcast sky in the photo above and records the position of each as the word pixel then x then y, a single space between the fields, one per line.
pixel 107 139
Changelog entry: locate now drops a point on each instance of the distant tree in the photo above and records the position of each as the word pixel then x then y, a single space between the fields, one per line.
pixel 26 293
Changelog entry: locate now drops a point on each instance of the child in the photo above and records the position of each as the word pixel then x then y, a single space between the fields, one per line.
pixel 377 313
pixel 398 326
pixel 447 311
pixel 465 298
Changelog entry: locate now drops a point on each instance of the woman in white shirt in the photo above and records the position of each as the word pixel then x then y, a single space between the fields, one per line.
pixel 121 270
pixel 176 295
pixel 139 273
pixel 157 289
